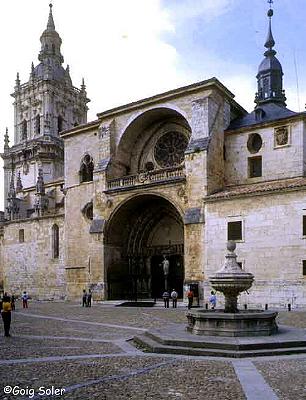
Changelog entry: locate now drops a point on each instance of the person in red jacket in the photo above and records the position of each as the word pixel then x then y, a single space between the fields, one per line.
pixel 190 296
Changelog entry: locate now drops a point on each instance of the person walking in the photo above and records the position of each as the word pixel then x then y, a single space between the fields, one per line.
pixel 174 298
pixel 84 298
pixel 6 314
pixel 25 298
pixel 190 298
pixel 213 300
pixel 89 295
pixel 166 299
pixel 13 302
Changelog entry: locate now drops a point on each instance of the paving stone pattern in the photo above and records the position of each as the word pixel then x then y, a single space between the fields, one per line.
pixel 293 386
pixel 85 351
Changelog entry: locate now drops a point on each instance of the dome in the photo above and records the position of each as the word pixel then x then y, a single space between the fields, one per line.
pixel 54 72
pixel 270 63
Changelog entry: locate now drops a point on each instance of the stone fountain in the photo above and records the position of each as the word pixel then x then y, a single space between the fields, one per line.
pixel 227 332
pixel 231 280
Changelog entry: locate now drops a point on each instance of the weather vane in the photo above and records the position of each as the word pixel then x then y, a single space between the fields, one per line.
pixel 270 11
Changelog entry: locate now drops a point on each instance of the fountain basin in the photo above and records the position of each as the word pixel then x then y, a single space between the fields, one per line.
pixel 220 323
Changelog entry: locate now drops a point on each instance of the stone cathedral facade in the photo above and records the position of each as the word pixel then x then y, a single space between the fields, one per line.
pixel 99 205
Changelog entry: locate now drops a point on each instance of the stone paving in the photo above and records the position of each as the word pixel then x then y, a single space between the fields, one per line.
pixel 86 353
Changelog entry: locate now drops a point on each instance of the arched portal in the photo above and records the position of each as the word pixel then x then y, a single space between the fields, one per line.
pixel 137 237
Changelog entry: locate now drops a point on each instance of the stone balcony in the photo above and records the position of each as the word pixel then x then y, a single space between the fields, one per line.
pixel 155 177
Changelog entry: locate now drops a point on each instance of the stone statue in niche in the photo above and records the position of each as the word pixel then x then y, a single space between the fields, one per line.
pixel 165 264
pixel 281 135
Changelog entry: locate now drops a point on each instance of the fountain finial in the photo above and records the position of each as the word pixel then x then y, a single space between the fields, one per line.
pixel 231 245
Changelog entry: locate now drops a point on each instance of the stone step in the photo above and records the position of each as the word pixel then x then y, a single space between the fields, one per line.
pixel 149 344
pixel 223 344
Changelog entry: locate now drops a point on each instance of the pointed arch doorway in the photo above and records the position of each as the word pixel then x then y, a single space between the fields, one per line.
pixel 138 235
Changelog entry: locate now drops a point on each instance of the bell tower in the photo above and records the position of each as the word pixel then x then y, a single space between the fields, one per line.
pixel 44 106
pixel 270 73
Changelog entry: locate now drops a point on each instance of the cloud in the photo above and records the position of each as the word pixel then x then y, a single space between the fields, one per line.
pixel 207 9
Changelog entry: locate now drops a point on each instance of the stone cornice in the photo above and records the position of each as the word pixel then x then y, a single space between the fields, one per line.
pixel 47 185
pixel 33 145
pixel 33 219
pixel 258 189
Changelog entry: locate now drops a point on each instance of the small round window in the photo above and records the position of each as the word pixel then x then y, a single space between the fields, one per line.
pixel 254 143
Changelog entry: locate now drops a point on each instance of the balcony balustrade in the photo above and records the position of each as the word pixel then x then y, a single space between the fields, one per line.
pixel 150 177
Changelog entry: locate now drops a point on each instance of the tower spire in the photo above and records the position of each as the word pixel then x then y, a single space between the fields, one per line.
pixel 270 42
pixel 50 43
pixel 50 24
pixel 270 73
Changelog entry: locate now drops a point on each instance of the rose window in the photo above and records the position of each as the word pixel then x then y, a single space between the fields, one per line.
pixel 169 149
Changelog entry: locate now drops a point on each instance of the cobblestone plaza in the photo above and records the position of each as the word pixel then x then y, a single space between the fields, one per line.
pixel 87 352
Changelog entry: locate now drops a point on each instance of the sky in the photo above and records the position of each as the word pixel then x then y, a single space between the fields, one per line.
pixel 130 49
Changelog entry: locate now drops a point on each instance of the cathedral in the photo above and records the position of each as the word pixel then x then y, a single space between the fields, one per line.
pixel 166 180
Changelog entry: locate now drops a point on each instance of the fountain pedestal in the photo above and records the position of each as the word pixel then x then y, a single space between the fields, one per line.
pixel 231 281
pixel 244 323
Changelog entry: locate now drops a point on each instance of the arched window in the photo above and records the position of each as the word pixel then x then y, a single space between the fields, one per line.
pixel 88 211
pixel 53 48
pixel 21 235
pixel 55 241
pixel 86 170
pixel 37 124
pixel 59 123
pixel 24 130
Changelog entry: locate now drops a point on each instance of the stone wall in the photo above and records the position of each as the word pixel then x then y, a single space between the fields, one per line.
pixel 30 265
pixel 273 166
pixel 272 247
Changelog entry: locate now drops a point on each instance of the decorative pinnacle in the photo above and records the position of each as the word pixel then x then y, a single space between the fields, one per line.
pixel 12 192
pixel 83 86
pixel 6 140
pixel 17 81
pixel 32 71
